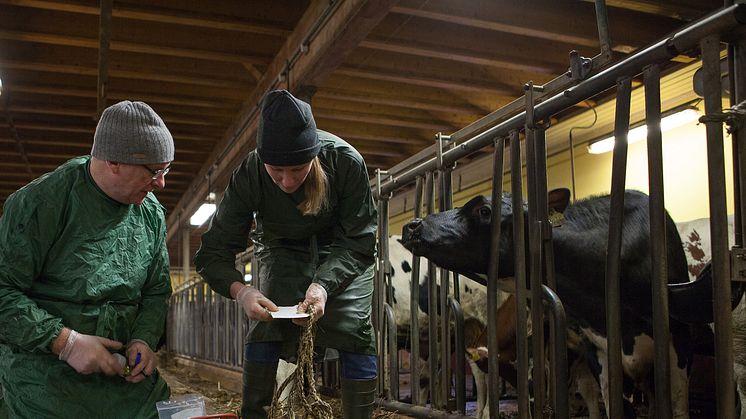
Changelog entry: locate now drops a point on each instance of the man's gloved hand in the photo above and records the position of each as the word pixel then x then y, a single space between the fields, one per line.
pixel 316 295
pixel 255 304
pixel 89 354
pixel 141 360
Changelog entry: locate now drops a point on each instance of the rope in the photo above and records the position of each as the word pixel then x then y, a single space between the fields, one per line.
pixel 304 401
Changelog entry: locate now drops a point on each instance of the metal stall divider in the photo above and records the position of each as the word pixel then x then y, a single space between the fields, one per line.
pixel 492 277
pixel 379 297
pixel 414 298
pixel 519 244
pixel 710 46
pixel 436 399
pixel 659 262
pixel 614 246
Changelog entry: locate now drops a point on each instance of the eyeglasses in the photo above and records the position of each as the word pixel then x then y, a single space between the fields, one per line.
pixel 158 173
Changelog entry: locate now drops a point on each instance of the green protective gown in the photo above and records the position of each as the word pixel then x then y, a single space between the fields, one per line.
pixel 71 256
pixel 335 249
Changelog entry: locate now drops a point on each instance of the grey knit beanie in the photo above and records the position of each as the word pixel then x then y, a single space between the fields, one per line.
pixel 132 133
pixel 287 132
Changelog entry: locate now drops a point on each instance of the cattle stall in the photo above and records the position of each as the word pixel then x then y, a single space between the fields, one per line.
pixel 527 120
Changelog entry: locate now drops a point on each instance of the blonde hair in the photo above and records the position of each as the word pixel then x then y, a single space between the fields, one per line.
pixel 316 190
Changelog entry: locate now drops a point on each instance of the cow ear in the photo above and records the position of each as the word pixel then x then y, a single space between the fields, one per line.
pixel 558 199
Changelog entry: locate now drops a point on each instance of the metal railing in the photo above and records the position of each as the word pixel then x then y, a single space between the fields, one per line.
pixel 705 35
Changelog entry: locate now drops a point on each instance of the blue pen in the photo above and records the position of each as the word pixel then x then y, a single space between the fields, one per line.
pixel 137 359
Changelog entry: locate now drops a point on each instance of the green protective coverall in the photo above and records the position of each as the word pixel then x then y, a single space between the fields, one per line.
pixel 335 248
pixel 71 256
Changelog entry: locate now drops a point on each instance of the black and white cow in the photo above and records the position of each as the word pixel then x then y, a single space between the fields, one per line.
pixel 459 240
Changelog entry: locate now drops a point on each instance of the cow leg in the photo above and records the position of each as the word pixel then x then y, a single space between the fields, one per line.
pixel 480 380
pixel 587 386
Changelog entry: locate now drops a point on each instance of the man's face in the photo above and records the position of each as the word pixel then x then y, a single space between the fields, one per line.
pixel 133 181
pixel 288 178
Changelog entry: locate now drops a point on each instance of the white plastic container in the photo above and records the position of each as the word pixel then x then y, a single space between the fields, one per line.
pixel 181 407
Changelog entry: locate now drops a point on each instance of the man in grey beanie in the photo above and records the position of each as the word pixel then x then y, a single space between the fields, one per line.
pixel 315 236
pixel 84 277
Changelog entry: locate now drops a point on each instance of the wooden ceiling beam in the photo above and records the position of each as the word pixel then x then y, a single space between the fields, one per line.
pixel 85 147
pixel 78 129
pixel 521 30
pixel 414 141
pixel 81 42
pixel 69 111
pixel 151 14
pixel 679 10
pixel 459 55
pixel 366 118
pixel 315 58
pixel 399 101
pixel 59 91
pixel 460 85
pixel 124 74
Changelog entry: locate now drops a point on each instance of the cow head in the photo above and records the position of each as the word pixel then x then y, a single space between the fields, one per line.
pixel 459 239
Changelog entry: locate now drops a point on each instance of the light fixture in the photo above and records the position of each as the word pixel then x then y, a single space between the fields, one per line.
pixel 669 122
pixel 204 212
pixel 1 87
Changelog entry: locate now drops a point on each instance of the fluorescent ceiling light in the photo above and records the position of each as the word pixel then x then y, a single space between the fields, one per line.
pixel 640 133
pixel 204 212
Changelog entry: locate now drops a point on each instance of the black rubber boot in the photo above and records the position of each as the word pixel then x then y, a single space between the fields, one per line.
pixel 358 398
pixel 258 388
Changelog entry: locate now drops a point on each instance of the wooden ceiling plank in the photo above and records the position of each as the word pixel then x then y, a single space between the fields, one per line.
pixel 522 30
pixel 68 111
pixel 452 54
pixel 80 42
pixel 351 21
pixel 125 74
pixel 466 86
pixel 403 102
pixel 675 11
pixel 322 114
pixel 199 20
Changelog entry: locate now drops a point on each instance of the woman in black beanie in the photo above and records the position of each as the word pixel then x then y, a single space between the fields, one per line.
pixel 314 242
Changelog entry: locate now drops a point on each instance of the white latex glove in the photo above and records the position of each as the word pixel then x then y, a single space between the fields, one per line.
pixel 316 295
pixel 255 304
pixel 89 354
pixel 147 361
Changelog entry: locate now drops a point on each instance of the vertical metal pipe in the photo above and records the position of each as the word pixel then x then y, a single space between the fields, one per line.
pixel 432 304
pixel 614 247
pixel 560 397
pixel 602 21
pixel 458 320
pixel 185 254
pixel 393 358
pixel 737 157
pixel 414 298
pixel 387 295
pixel 547 251
pixel 379 291
pixel 658 254
pixel 444 192
pixel 493 383
pixel 519 246
pixel 535 259
pixel 719 230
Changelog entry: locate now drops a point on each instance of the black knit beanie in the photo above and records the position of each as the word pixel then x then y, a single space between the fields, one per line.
pixel 287 132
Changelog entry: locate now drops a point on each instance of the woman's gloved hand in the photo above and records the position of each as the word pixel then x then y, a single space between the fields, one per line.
pixel 89 354
pixel 316 295
pixel 141 359
pixel 255 304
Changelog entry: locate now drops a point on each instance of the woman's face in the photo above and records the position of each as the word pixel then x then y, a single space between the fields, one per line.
pixel 288 178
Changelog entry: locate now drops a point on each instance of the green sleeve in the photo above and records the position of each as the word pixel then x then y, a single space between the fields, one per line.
pixel 353 248
pixel 229 232
pixel 153 308
pixel 27 230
